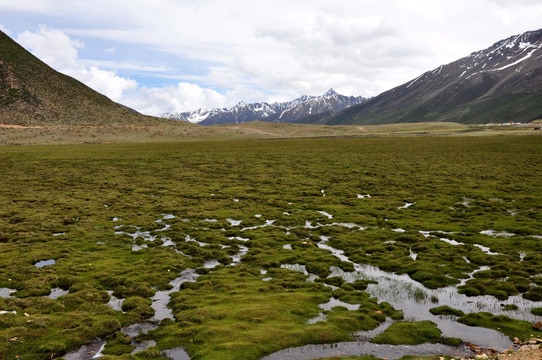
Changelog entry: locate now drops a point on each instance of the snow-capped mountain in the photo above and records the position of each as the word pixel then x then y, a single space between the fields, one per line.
pixel 305 109
pixel 499 84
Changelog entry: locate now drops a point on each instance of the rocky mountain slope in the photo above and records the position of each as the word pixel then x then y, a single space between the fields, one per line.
pixel 502 83
pixel 306 109
pixel 32 93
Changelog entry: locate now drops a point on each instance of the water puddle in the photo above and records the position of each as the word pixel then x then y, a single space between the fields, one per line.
pixel 211 264
pixel 43 263
pixel 452 242
pixel 267 223
pixel 332 303
pixel 188 238
pixel 321 317
pixel 494 233
pixel 236 259
pixel 2 312
pixel 335 252
pixel 144 345
pixel 342 349
pixel 406 206
pixel 295 267
pixel 234 222
pixel 300 268
pixel 6 292
pixel 177 354
pixel 133 331
pixel 239 238
pixel 466 201
pixel 165 228
pixel 308 225
pixel 167 242
pixel 329 216
pixel 369 334
pixel 89 351
pixel 114 302
pixel 161 298
pixel 485 249
pixel 57 292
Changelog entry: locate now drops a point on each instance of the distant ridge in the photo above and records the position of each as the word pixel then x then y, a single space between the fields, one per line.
pixel 502 83
pixel 32 93
pixel 305 109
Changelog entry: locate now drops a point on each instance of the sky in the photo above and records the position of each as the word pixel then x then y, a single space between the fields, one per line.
pixel 166 56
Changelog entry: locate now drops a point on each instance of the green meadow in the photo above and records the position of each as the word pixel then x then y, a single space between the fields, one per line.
pixel 78 205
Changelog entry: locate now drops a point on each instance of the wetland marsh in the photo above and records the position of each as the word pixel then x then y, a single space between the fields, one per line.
pixel 241 249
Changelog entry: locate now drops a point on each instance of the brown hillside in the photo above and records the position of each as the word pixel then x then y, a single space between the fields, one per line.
pixel 32 93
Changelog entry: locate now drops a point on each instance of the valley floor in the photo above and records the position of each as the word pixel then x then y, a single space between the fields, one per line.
pixel 169 131
pixel 238 249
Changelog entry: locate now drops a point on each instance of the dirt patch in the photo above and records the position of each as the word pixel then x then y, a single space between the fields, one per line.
pixel 12 126
pixel 533 352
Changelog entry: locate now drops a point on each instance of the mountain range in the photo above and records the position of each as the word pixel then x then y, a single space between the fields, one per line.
pixel 305 109
pixel 502 83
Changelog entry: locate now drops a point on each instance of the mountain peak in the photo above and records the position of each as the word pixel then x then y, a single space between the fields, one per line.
pixel 305 109
pixel 330 93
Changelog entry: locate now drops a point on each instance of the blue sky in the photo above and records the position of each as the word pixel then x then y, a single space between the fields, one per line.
pixel 172 56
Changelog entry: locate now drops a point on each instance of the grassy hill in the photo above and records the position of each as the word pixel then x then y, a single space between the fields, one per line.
pixel 32 93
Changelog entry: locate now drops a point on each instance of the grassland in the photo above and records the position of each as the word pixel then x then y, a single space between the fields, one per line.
pixel 69 202
pixel 162 130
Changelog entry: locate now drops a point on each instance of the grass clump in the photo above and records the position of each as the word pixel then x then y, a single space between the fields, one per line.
pixel 412 333
pixel 536 311
pixel 446 310
pixel 508 326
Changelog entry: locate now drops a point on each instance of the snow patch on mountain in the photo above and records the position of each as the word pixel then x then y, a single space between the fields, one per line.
pixel 291 111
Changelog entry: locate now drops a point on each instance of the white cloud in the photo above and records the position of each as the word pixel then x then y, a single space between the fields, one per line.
pixel 266 50
pixel 170 99
pixel 53 47
pixel 61 53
